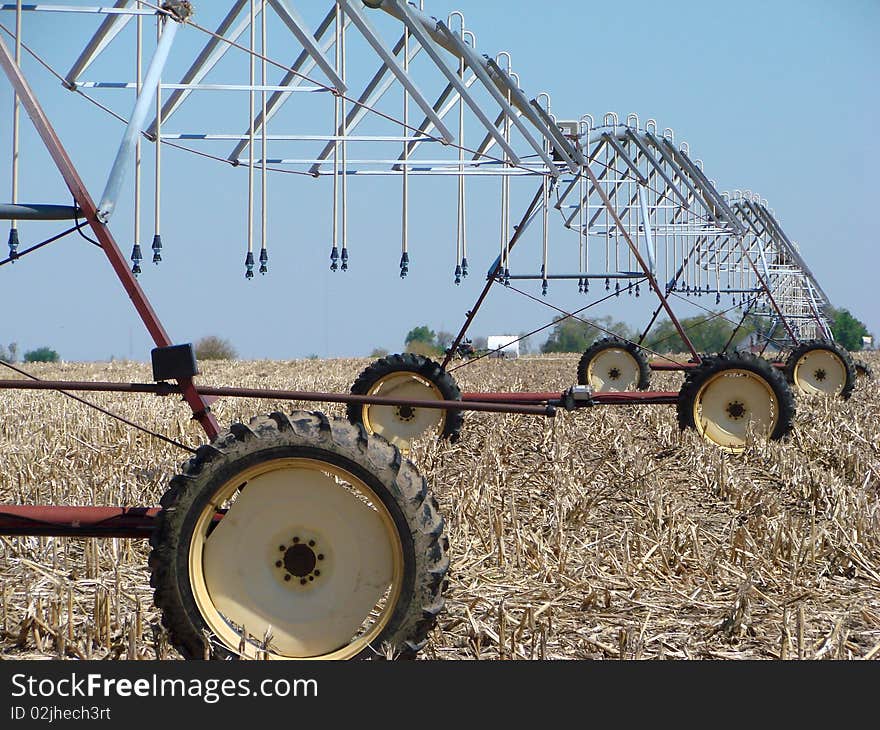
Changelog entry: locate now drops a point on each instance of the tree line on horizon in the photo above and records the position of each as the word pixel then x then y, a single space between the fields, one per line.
pixel 709 333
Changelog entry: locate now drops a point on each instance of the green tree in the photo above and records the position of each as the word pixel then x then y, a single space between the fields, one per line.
pixel 41 354
pixel 847 330
pixel 215 348
pixel 708 333
pixel 573 335
pixel 379 352
pixel 420 334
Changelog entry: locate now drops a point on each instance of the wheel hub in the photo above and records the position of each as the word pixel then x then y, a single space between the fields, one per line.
pixel 736 410
pixel 820 375
pixel 300 561
pixel 614 374
pixel 405 413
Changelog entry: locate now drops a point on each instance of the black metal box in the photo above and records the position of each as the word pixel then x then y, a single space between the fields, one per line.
pixel 174 362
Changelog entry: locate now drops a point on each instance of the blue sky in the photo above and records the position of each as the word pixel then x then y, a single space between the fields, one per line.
pixel 779 98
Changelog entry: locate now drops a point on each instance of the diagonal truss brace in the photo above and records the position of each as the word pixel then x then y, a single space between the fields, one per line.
pixel 427 43
pixel 475 63
pixel 301 68
pixel 210 56
pixel 299 29
pixel 366 29
pixel 378 86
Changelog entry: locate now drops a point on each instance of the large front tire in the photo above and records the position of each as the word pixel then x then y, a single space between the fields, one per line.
pixel 298 536
pixel 407 376
pixel 730 398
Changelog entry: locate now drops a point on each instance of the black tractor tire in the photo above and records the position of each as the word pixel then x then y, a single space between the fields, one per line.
pixel 819 345
pixel 412 516
pixel 607 343
pixel 863 370
pixel 410 363
pixel 711 365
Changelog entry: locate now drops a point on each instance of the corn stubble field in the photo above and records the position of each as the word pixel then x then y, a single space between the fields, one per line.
pixel 604 533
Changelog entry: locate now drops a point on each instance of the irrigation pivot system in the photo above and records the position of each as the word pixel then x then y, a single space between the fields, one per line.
pixel 299 535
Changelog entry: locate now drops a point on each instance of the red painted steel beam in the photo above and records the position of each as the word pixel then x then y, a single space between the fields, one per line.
pixel 90 213
pixel 672 365
pixel 44 521
pixel 526 403
pixel 77 521
pixel 625 398
pixel 513 397
pixel 688 365
pixel 636 397
pixel 523 407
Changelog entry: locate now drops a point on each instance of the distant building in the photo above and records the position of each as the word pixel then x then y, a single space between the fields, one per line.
pixel 503 346
pixel 867 342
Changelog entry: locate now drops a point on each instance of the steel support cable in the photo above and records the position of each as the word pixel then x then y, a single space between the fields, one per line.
pixel 748 303
pixel 715 315
pixel 40 245
pixel 543 327
pixel 103 410
pixel 593 324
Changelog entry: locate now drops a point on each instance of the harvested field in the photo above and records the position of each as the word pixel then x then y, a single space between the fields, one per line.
pixel 605 533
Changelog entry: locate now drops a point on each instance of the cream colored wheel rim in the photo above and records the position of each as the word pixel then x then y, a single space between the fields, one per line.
pixel 306 553
pixel 731 404
pixel 401 425
pixel 614 369
pixel 820 372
